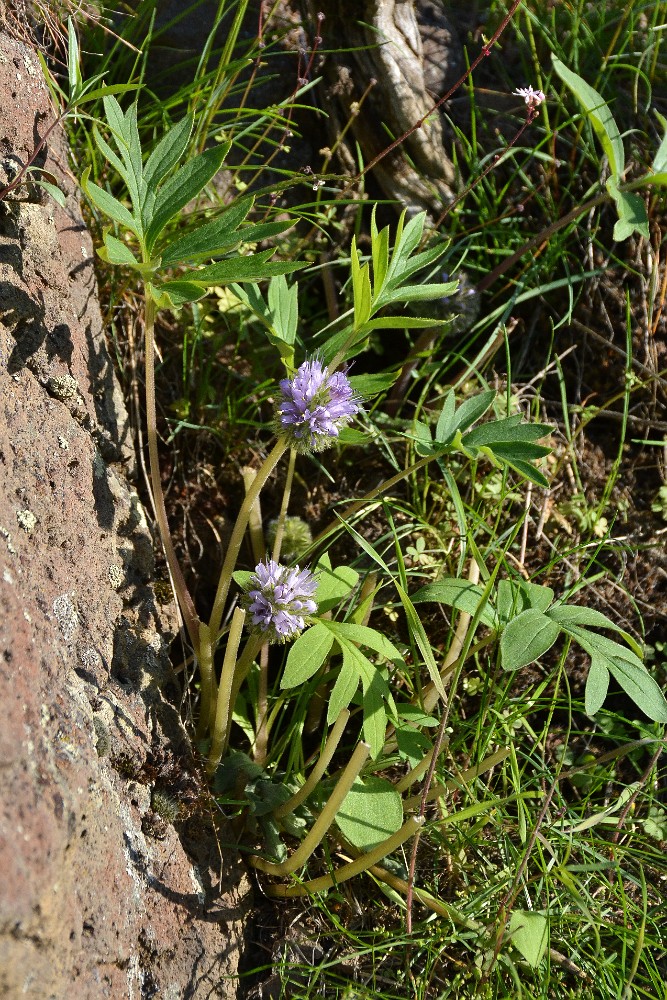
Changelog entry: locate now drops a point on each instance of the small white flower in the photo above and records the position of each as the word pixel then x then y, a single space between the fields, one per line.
pixel 533 98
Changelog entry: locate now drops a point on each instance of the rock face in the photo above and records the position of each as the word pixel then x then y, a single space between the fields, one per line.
pixel 100 894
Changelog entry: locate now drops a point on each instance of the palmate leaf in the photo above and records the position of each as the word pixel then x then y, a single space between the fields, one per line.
pixel 209 239
pixel 371 812
pixel 526 638
pixel 168 152
pixel 626 668
pixel 182 187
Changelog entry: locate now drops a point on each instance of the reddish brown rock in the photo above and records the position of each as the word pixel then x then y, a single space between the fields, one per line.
pixel 98 896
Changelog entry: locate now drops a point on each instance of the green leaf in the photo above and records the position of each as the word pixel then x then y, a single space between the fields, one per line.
pixel 109 205
pixel 526 638
pixel 529 933
pixel 180 291
pixel 361 287
pixel 472 409
pixel 343 690
pixel 73 68
pixel 421 433
pixel 182 187
pixel 366 636
pixel 597 685
pixel 210 239
pixel 599 115
pixel 117 252
pixel 446 428
pixel 460 594
pixel 375 715
pixel 283 302
pixel 53 190
pixel 627 669
pixel 168 152
pixel 506 431
pixel 333 584
pixel 515 596
pixel 407 240
pixel 255 267
pixel 640 686
pixel 398 323
pixel 115 162
pixel 380 254
pixel 632 216
pixel 418 293
pixel 371 812
pixel 575 614
pixel 306 655
pixel 660 160
pixel 367 386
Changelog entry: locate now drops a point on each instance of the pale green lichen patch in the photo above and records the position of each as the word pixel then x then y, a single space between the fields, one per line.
pixel 26 520
pixel 66 616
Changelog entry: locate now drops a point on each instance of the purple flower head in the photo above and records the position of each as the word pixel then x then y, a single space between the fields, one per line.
pixel 314 406
pixel 280 599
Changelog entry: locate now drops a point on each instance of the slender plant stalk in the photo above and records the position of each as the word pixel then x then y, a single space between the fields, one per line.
pixel 352 868
pixel 206 679
pixel 185 601
pixel 260 749
pixel 238 532
pixel 319 828
pixel 224 705
pixel 255 523
pixel 280 527
pixel 318 770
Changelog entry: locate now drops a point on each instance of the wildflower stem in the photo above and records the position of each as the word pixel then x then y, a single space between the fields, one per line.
pixel 318 770
pixel 185 601
pixel 352 868
pixel 280 527
pixel 323 821
pixel 225 705
pixel 238 532
pixel 358 505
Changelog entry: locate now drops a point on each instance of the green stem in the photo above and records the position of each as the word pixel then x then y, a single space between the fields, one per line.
pixel 238 532
pixel 324 820
pixel 380 490
pixel 225 705
pixel 207 680
pixel 185 601
pixel 352 868
pixel 280 527
pixel 320 767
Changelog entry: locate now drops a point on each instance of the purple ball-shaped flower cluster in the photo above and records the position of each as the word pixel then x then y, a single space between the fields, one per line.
pixel 315 406
pixel 280 599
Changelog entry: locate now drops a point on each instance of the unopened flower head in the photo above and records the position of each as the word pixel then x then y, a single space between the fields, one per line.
pixel 533 98
pixel 315 406
pixel 280 600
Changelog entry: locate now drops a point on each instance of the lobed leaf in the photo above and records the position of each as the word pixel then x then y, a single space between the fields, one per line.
pixel 182 187
pixel 306 655
pixel 526 638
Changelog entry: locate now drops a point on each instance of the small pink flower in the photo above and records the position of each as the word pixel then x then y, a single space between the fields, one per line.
pixel 533 98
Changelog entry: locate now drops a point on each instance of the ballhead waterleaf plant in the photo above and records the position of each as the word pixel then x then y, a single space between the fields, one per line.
pixel 280 600
pixel 314 406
